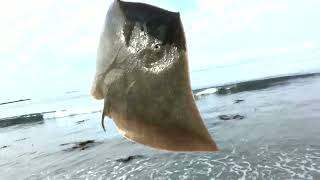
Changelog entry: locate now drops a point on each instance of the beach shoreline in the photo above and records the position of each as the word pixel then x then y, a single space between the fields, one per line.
pixel 276 138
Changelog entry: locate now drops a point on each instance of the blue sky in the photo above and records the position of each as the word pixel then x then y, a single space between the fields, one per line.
pixel 49 46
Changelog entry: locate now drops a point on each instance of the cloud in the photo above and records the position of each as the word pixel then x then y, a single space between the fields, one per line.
pixel 43 41
pixel 232 15
pixel 308 45
pixel 58 39
pixel 34 25
pixel 228 31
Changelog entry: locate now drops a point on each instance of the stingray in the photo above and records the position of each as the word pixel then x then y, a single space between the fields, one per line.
pixel 142 75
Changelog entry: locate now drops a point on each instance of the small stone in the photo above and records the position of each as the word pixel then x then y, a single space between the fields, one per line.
pixel 224 117
pixel 129 158
pixel 238 101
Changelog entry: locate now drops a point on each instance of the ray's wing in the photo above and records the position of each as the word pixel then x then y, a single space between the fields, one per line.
pixel 160 111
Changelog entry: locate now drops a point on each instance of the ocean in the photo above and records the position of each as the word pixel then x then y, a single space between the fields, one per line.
pixel 266 125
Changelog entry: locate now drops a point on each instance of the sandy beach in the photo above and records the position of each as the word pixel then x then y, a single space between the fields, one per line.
pixel 265 132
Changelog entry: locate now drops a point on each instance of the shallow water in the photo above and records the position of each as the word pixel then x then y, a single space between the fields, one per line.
pixel 278 138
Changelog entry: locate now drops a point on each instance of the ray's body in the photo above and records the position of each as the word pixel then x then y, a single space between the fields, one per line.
pixel 142 75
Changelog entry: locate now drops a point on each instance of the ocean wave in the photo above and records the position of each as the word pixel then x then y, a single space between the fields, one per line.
pixel 70 112
pixel 39 117
pixel 264 163
pixel 23 119
pixel 206 92
pixel 251 85
pixel 15 101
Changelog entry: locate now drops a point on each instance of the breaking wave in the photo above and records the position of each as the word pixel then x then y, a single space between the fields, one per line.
pixel 71 112
pixel 250 85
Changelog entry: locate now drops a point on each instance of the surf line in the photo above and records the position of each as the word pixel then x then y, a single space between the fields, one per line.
pixel 11 102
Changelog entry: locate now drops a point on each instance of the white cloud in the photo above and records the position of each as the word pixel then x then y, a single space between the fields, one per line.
pixel 39 37
pixel 308 45
pixel 33 25
pixel 230 30
pixel 229 16
pixel 258 53
pixel 41 40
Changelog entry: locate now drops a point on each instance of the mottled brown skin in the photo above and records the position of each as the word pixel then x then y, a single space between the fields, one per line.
pixel 142 74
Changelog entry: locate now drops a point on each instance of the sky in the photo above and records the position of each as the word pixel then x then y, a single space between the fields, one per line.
pixel 49 46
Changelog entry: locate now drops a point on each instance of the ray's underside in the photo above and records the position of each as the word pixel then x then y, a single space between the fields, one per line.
pixel 142 74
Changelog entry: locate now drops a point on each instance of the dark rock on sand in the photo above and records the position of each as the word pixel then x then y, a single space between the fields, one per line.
pixel 129 158
pixel 82 121
pixel 238 101
pixel 79 145
pixel 3 147
pixel 230 117
pixel 238 117
pixel 22 139
pixel 224 117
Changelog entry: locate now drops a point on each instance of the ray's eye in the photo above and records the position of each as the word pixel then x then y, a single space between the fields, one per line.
pixel 143 27
pixel 157 46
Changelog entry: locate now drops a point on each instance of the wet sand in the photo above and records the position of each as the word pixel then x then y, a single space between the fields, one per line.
pixel 277 138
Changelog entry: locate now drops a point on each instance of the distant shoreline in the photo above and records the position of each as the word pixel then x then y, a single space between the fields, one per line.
pixel 255 83
pixel 16 101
